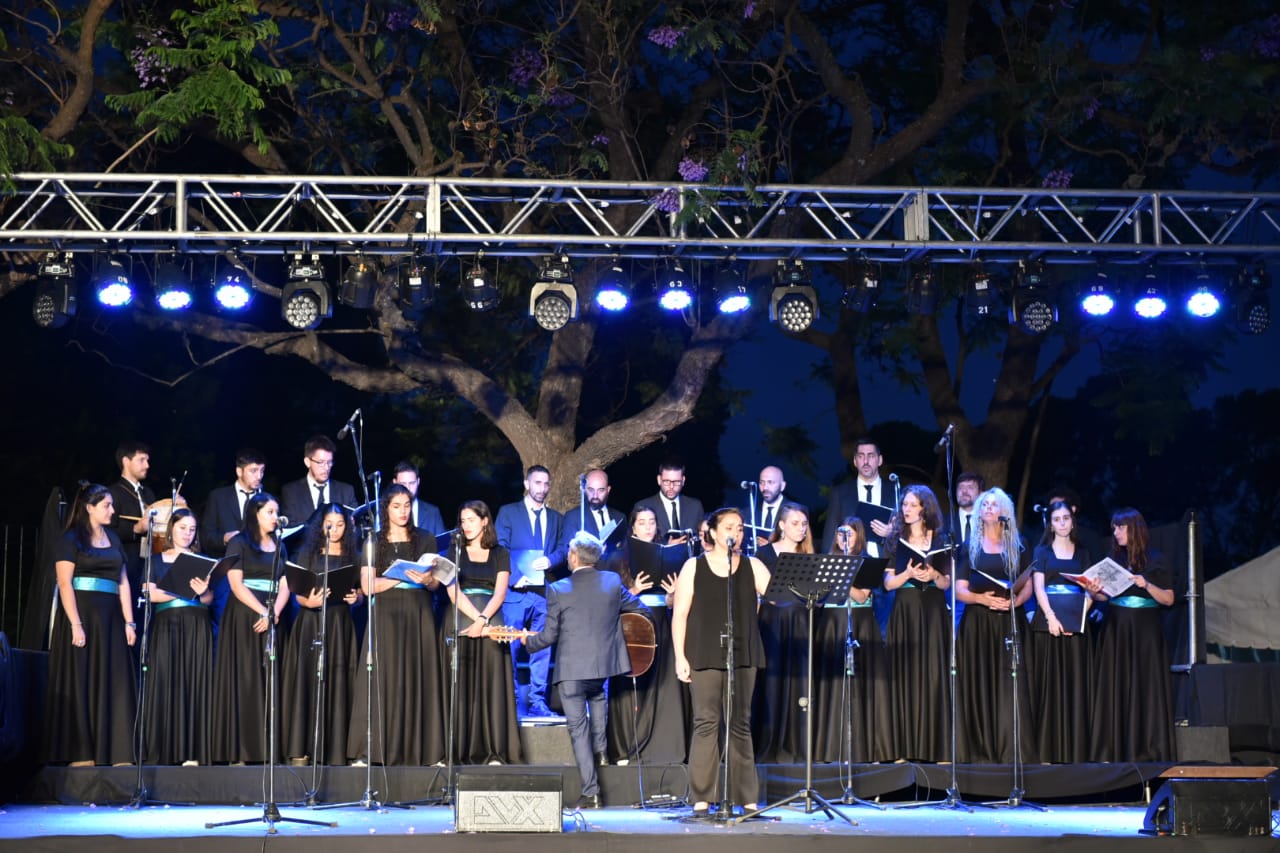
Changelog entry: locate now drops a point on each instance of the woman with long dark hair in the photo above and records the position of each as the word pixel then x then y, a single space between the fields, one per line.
pixel 180 676
pixel 1132 715
pixel 986 569
pixel 488 727
pixel 917 636
pixel 92 694
pixel 1061 659
pixel 408 696
pixel 698 618
pixel 239 670
pixel 329 540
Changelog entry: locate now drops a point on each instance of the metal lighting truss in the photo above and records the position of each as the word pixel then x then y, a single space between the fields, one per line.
pixel 261 214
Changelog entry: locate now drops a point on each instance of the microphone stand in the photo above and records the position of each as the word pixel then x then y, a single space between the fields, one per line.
pixel 851 646
pixel 750 544
pixel 320 644
pixel 952 800
pixel 270 809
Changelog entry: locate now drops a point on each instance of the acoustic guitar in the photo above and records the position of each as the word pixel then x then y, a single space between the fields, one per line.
pixel 638 632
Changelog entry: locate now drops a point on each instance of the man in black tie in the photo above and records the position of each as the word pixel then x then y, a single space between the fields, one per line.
pixel 968 486
pixel 675 511
pixel 770 488
pixel 300 498
pixel 224 510
pixel 131 499
pixel 531 531
pixel 867 487
pixel 425 515
pixel 584 624
pixel 596 515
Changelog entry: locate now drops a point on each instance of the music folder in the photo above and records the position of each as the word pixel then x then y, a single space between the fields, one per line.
pixel 656 561
pixel 874 512
pixel 522 566
pixel 187 567
pixel 303 579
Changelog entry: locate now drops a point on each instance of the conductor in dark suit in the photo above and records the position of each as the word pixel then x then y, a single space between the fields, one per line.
pixel 673 509
pixel 224 509
pixel 300 498
pixel 596 514
pixel 583 624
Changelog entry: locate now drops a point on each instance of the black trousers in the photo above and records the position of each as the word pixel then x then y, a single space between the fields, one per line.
pixel 708 690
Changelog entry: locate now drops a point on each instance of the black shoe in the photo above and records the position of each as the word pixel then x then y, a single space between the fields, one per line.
pixel 591 802
pixel 602 759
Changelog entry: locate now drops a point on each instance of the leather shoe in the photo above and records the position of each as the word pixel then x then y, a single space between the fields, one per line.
pixel 589 802
pixel 602 759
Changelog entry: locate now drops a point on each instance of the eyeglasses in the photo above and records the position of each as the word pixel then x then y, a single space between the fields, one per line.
pixel 679 482
pixel 321 463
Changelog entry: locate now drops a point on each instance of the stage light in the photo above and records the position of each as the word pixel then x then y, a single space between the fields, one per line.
pixel 231 292
pixel 1151 303
pixel 359 282
pixel 922 292
pixel 613 288
pixel 732 296
pixel 794 303
pixel 1203 300
pixel 553 302
pixel 305 300
pixel 111 284
pixel 417 285
pixel 1032 305
pixel 1252 297
pixel 674 293
pixel 981 296
pixel 55 296
pixel 173 288
pixel 1098 299
pixel 863 292
pixel 478 293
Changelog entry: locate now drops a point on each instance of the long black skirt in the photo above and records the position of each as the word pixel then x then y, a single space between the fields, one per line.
pixel 179 686
pixel 1061 675
pixel 240 670
pixel 299 681
pixel 853 711
pixel 92 695
pixel 488 726
pixel 1132 715
pixel 651 719
pixel 919 700
pixel 984 715
pixel 777 718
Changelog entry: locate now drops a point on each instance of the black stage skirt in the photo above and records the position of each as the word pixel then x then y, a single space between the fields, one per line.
pixel 1061 677
pixel 298 691
pixel 865 713
pixel 240 688
pixel 408 694
pixel 984 716
pixel 179 686
pixel 488 727
pixel 655 716
pixel 1132 716
pixel 916 646
pixel 777 721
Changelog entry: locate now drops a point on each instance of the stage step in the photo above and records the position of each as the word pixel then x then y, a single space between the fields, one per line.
pixel 546 743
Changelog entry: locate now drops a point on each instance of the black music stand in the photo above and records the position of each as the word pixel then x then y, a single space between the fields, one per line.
pixel 809 578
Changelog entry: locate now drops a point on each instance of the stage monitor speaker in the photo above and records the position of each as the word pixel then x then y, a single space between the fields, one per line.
pixel 506 801
pixel 1212 805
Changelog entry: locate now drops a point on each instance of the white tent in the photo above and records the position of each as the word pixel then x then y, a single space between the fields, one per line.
pixel 1242 607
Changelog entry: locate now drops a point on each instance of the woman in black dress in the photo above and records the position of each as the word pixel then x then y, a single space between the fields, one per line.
pixel 918 634
pixel 92 694
pixel 1132 715
pixel 777 720
pixel 986 567
pixel 488 728
pixel 239 671
pixel 329 541
pixel 1061 665
pixel 407 693
pixel 862 718
pixel 698 618
pixel 180 676
pixel 650 716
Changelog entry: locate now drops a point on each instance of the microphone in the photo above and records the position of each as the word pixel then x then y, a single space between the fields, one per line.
pixel 1004 519
pixel 282 521
pixel 748 484
pixel 844 528
pixel 181 480
pixel 582 482
pixel 376 475
pixel 946 436
pixel 729 542
pixel 346 428
pixel 893 478
pixel 1039 508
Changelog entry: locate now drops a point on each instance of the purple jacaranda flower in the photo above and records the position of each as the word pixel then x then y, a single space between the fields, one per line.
pixel 692 170
pixel 526 65
pixel 1208 54
pixel 668 201
pixel 1058 179
pixel 1091 108
pixel 1267 42
pixel 600 139
pixel 560 98
pixel 400 18
pixel 749 10
pixel 742 161
pixel 151 71
pixel 665 36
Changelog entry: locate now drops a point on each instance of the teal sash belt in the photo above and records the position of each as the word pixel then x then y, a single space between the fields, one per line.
pixel 87 584
pixel 1134 601
pixel 258 584
pixel 1064 589
pixel 654 599
pixel 477 590
pixel 409 585
pixel 177 602
pixel 848 603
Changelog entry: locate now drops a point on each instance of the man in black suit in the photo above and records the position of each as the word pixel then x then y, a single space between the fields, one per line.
pixel 597 516
pixel 531 531
pixel 425 515
pixel 300 498
pixel 675 511
pixel 584 625
pixel 867 487
pixel 224 510
pixel 769 489
pixel 961 519
pixel 131 499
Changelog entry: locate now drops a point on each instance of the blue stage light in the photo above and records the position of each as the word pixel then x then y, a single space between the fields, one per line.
pixel 231 293
pixel 1097 299
pixel 613 289
pixel 1151 305
pixel 173 288
pixel 111 283
pixel 732 296
pixel 1203 301
pixel 674 293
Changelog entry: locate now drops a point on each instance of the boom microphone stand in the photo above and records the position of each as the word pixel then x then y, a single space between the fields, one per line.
pixel 851 646
pixel 270 809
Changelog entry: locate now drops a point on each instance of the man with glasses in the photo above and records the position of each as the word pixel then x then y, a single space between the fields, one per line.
pixel 677 513
pixel 301 497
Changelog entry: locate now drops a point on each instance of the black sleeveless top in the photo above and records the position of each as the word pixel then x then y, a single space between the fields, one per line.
pixel 707 618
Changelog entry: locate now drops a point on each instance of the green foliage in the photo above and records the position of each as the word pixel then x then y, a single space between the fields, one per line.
pixel 23 148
